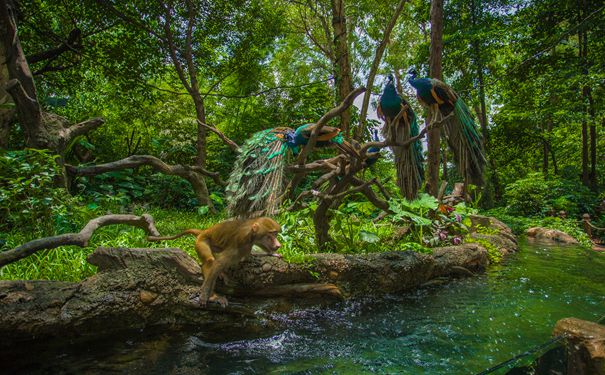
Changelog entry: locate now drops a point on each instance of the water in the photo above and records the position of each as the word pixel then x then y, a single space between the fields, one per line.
pixel 463 327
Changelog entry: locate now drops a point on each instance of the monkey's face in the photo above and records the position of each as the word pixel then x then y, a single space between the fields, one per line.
pixel 265 234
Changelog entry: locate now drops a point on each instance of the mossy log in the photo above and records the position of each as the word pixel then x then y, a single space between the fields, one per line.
pixel 137 288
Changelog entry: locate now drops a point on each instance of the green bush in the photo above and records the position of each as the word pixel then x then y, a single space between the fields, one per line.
pixel 519 224
pixel 31 197
pixel 140 187
pixel 535 196
pixel 527 196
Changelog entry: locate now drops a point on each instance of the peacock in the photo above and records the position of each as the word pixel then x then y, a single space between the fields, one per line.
pixel 256 184
pixel 399 127
pixel 445 105
pixel 373 151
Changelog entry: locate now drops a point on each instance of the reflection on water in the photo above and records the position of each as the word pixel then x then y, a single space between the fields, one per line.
pixel 460 328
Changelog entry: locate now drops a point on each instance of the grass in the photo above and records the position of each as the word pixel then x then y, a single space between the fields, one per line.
pixel 69 263
pixel 353 233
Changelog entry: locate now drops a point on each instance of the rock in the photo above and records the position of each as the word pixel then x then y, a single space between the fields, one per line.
pixel 585 346
pixel 471 256
pixel 551 235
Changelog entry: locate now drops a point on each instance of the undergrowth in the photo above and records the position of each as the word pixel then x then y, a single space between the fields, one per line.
pixel 520 224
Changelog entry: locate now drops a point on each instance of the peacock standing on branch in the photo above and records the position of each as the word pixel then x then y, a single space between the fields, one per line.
pixel 256 184
pixel 445 105
pixel 400 125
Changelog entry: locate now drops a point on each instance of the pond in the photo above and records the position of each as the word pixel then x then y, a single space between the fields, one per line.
pixel 463 327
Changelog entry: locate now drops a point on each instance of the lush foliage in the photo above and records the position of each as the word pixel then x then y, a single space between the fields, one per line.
pixel 255 64
pixel 519 224
pixel 538 196
pixel 30 198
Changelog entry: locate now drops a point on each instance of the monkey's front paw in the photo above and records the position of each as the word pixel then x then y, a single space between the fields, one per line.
pixel 203 300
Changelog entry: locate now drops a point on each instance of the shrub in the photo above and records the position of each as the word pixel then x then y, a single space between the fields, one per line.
pixel 30 195
pixel 535 196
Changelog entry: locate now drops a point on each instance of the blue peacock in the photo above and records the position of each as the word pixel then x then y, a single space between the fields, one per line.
pixel 256 184
pixel 399 127
pixel 445 105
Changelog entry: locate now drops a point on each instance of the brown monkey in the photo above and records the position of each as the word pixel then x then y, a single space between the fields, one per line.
pixel 226 244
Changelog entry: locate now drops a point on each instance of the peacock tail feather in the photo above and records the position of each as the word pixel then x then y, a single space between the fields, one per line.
pixel 256 184
pixel 408 160
pixel 465 142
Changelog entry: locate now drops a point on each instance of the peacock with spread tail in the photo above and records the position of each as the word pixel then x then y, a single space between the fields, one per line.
pixel 445 105
pixel 400 125
pixel 256 184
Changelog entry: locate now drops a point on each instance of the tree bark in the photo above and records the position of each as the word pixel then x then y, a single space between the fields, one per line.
pixel 342 65
pixel 20 79
pixel 434 137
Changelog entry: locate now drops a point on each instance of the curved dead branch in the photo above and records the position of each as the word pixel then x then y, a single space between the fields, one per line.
pixel 193 174
pixel 346 103
pixel 234 146
pixel 81 239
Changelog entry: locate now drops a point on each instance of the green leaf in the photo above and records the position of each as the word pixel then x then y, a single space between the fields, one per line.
pixel 368 237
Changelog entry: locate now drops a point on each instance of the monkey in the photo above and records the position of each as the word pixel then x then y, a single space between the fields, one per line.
pixel 226 244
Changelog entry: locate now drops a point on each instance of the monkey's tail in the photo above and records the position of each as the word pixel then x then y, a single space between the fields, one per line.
pixel 194 232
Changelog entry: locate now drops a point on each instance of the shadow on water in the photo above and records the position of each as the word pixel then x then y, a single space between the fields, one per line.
pixel 463 327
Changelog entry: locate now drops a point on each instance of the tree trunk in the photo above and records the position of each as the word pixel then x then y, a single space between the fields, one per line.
pixel 200 112
pixel 374 68
pixel 342 65
pixel 28 109
pixel 434 137
pixel 476 13
pixel 593 141
pixel 546 146
pixel 583 9
pixel 7 113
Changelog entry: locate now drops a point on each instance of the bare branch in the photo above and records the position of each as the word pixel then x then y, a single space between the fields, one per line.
pixel 234 146
pixel 346 103
pixel 81 128
pixel 81 239
pixel 375 64
pixel 135 161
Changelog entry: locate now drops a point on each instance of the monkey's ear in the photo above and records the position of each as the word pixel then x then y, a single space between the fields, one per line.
pixel 254 228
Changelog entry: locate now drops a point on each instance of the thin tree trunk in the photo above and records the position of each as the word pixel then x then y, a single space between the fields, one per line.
pixel 555 170
pixel 434 137
pixel 475 13
pixel 200 112
pixel 583 57
pixel 374 68
pixel 546 146
pixel 342 65
pixel 593 141
pixel 585 174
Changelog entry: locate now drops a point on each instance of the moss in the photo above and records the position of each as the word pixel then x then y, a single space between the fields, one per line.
pixel 494 255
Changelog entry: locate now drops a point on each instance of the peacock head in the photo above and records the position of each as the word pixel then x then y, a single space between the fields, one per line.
pixel 389 87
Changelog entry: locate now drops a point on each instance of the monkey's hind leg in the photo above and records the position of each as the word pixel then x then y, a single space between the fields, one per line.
pixel 203 250
pixel 211 269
